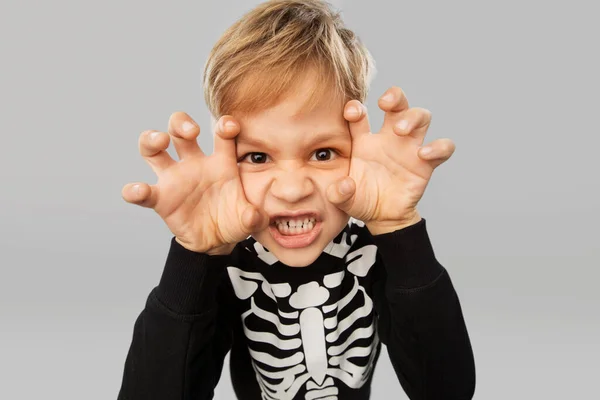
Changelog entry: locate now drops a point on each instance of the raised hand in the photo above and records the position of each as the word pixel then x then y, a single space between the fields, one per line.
pixel 199 197
pixel 390 170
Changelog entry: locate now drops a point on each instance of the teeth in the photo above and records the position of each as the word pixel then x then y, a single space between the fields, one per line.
pixel 295 223
pixel 295 226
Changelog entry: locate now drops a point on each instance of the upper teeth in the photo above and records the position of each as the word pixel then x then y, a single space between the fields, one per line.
pixel 293 223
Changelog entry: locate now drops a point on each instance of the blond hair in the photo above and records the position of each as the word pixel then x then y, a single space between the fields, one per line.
pixel 265 53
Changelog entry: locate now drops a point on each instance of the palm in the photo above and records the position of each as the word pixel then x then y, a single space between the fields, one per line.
pixel 389 169
pixel 390 177
pixel 191 199
pixel 200 198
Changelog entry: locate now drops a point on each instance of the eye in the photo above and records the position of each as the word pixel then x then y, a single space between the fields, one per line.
pixel 324 154
pixel 255 158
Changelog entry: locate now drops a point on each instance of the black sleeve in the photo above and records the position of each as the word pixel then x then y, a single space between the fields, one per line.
pixel 420 318
pixel 183 334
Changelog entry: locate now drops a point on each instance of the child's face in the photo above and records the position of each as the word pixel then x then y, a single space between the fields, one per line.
pixel 287 161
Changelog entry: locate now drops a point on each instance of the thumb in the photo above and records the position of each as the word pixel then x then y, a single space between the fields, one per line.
pixel 254 220
pixel 341 193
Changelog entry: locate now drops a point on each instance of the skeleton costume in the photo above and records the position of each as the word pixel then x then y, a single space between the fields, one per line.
pixel 303 333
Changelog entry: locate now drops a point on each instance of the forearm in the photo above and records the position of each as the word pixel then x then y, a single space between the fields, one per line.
pixel 181 337
pixel 423 324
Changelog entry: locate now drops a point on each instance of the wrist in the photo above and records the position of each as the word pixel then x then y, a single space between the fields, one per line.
pixel 224 250
pixel 382 227
pixel 190 280
pixel 214 251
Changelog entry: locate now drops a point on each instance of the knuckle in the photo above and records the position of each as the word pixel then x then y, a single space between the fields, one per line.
pixel 221 123
pixel 147 139
pixel 177 115
pixel 172 119
pixel 146 143
pixel 447 146
pixel 145 134
pixel 426 114
pixel 142 140
pixel 398 92
pixel 176 121
pixel 350 103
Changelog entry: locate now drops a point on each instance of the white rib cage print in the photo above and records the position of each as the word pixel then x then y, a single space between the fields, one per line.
pixel 313 346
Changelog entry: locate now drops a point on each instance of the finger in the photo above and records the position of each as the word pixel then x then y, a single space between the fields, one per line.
pixel 152 145
pixel 393 102
pixel 141 194
pixel 341 193
pixel 358 121
pixel 254 220
pixel 226 130
pixel 437 152
pixel 414 122
pixel 184 131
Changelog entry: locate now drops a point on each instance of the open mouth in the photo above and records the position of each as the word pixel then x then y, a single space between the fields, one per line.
pixel 295 226
pixel 295 231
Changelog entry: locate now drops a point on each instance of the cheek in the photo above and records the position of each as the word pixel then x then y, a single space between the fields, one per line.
pixel 344 168
pixel 254 185
pixel 326 177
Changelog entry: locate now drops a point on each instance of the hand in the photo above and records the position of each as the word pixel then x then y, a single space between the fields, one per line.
pixel 389 171
pixel 200 197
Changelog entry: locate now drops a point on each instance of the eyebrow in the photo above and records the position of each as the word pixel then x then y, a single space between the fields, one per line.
pixel 321 137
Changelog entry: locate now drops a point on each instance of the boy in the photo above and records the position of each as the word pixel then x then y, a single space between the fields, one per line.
pixel 297 244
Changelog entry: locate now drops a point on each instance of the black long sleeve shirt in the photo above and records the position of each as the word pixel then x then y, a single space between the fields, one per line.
pixel 303 333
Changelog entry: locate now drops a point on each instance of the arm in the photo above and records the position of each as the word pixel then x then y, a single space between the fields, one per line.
pixel 420 318
pixel 182 336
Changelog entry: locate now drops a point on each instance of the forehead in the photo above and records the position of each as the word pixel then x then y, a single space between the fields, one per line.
pixel 286 126
pixel 292 113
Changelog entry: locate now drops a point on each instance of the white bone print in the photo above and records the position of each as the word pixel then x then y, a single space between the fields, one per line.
pixel 315 348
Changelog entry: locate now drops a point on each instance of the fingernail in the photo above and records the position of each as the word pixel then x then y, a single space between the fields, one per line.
pixel 345 187
pixel 187 126
pixel 402 125
pixel 229 125
pixel 354 111
pixel 425 150
pixel 136 189
pixel 389 97
pixel 153 135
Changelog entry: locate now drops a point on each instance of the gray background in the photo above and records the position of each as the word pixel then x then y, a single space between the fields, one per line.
pixel 513 215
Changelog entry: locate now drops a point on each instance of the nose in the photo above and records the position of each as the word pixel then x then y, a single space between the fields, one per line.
pixel 292 184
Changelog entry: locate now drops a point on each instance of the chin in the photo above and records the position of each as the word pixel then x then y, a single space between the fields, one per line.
pixel 292 257
pixel 296 257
